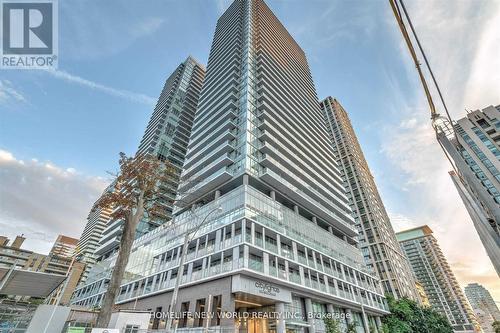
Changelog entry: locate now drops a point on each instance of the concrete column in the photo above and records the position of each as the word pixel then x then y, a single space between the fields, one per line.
pixel 236 257
pixel 286 269
pixel 218 238
pixel 330 229
pixel 348 316
pixel 245 255
pixel 197 247
pixel 265 259
pixel 306 253
pixel 294 251
pixel 378 322
pixel 314 259
pixel 296 209
pixel 310 320
pixel 189 271
pixel 280 323
pixel 301 273
pixel 204 264
pixel 329 308
pixel 365 320
pixel 178 254
pixel 209 259
pixel 370 298
pixel 245 179
pixel 336 287
pixel 217 194
pixel 278 243
pixel 223 236
pixel 327 283
pixel 272 194
pixel 243 230
pixel 252 229
pixel 314 220
pixel 169 276
pixel 344 237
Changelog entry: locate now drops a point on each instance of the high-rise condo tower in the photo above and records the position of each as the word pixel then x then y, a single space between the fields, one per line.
pixel 377 239
pixel 285 240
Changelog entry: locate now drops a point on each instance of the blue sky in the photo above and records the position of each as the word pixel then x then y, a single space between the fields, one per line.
pixel 60 132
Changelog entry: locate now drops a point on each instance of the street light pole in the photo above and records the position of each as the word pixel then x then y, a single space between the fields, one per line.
pixel 187 238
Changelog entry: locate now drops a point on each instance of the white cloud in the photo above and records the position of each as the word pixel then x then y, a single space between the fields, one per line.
pixel 408 123
pixel 462 43
pixel 483 86
pixel 8 93
pixel 134 97
pixel 42 200
pixel 146 27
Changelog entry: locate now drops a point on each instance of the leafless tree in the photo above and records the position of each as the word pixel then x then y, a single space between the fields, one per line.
pixel 136 194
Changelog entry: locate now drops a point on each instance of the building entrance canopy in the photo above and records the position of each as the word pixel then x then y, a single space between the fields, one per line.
pixel 27 283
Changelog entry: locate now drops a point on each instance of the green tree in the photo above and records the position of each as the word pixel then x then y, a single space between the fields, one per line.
pixel 408 317
pixel 331 325
pixel 496 326
pixel 351 328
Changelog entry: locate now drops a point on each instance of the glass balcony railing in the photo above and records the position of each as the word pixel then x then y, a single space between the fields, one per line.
pixel 271 247
pixel 287 253
pixel 227 266
pixel 256 265
pixel 302 260
pixel 196 275
pixel 295 278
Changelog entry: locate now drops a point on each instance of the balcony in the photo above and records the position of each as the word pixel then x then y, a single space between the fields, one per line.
pixel 256 265
pixel 218 178
pixel 283 185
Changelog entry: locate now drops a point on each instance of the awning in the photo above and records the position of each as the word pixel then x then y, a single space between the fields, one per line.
pixel 28 283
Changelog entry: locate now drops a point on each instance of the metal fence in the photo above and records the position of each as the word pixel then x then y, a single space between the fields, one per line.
pixel 15 316
pixel 132 329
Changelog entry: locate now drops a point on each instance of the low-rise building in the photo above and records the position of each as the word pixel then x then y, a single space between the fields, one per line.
pixel 64 246
pixel 14 257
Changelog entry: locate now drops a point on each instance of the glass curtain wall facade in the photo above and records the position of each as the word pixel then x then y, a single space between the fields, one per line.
pixel 285 238
pixel 434 273
pixel 476 153
pixel 377 239
pixel 166 137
